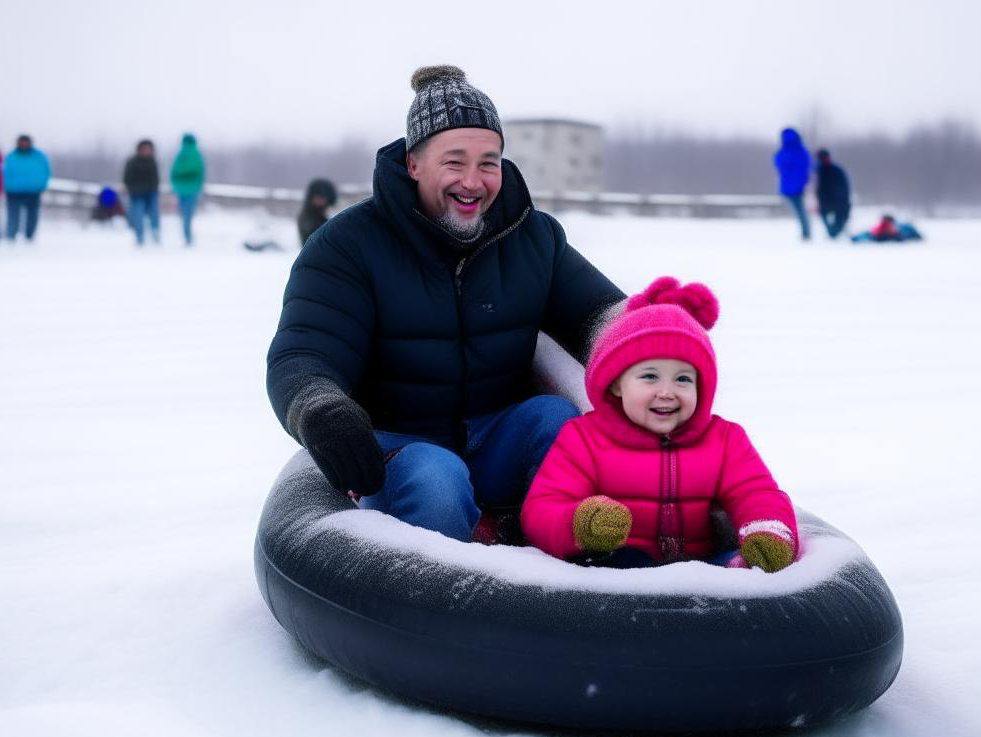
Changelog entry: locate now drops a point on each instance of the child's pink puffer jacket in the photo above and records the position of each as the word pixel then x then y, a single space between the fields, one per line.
pixel 668 483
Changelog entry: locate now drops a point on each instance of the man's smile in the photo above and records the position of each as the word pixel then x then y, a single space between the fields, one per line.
pixel 465 204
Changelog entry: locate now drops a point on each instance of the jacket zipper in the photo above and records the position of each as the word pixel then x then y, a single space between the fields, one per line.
pixel 459 425
pixel 670 535
pixel 458 276
pixel 460 429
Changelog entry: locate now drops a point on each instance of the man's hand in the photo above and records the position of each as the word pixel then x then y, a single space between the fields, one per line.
pixel 601 525
pixel 338 435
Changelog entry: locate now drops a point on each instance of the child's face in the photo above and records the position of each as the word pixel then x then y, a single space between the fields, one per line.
pixel 659 394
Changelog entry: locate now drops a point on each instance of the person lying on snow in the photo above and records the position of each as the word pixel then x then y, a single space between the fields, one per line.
pixel 631 483
pixel 888 230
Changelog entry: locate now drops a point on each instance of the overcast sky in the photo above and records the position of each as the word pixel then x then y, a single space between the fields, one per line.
pixel 75 74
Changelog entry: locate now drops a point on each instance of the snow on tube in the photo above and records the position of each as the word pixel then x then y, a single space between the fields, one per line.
pixel 512 633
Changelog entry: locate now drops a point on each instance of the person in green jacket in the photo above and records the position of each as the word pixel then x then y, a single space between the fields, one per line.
pixel 187 181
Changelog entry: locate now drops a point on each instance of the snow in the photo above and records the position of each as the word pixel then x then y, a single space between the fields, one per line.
pixel 823 557
pixel 137 447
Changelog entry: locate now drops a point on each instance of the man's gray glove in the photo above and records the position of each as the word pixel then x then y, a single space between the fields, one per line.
pixel 337 433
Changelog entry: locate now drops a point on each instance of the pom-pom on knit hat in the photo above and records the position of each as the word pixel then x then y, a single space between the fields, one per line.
pixel 444 100
pixel 666 320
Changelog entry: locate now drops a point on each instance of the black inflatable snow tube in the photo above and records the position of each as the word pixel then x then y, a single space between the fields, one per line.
pixel 474 642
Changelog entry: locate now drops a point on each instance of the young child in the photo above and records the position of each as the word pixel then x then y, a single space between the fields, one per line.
pixel 636 477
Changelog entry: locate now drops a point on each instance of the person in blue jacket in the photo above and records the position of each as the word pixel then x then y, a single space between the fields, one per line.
pixel 833 193
pixel 793 163
pixel 403 358
pixel 26 172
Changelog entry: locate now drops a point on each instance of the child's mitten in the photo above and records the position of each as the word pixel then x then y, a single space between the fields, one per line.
pixel 601 524
pixel 768 544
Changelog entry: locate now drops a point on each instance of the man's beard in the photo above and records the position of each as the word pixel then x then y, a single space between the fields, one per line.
pixel 466 231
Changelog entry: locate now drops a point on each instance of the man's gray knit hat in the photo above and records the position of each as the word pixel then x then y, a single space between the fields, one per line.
pixel 445 100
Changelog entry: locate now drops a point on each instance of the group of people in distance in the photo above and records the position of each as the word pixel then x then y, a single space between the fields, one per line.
pixel 142 180
pixel 403 361
pixel 793 164
pixel 141 177
pixel 26 172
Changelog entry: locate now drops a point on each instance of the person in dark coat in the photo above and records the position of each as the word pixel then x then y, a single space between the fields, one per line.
pixel 403 358
pixel 142 179
pixel 833 193
pixel 793 164
pixel 320 197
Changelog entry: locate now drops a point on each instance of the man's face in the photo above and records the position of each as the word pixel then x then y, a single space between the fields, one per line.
pixel 459 176
pixel 144 150
pixel 23 144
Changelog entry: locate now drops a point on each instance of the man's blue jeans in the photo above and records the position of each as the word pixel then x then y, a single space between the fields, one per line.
pixel 187 204
pixel 429 485
pixel 797 205
pixel 30 202
pixel 140 207
pixel 834 220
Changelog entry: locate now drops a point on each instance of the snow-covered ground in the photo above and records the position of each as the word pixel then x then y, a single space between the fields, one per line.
pixel 137 446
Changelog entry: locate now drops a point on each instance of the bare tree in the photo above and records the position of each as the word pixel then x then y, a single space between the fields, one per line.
pixel 931 166
pixel 266 164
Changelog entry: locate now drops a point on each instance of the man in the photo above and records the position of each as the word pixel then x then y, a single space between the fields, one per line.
pixel 834 197
pixel 793 164
pixel 142 179
pixel 26 172
pixel 403 357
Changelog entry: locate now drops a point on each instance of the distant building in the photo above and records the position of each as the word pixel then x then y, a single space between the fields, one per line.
pixel 556 155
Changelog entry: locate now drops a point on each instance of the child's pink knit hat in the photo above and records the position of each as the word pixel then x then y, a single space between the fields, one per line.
pixel 666 320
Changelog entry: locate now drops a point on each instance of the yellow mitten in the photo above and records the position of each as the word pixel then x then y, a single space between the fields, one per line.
pixel 601 524
pixel 766 551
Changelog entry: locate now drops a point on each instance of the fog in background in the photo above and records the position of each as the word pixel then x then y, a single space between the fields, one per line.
pixel 930 166
pixel 692 96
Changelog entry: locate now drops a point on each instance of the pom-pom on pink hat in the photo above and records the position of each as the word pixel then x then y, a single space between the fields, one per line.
pixel 666 320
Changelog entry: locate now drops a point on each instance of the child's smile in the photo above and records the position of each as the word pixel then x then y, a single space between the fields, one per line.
pixel 658 394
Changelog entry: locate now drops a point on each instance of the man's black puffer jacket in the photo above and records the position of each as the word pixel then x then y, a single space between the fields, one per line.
pixel 420 330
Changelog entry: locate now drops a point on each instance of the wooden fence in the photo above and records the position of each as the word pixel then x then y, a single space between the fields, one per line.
pixel 70 194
